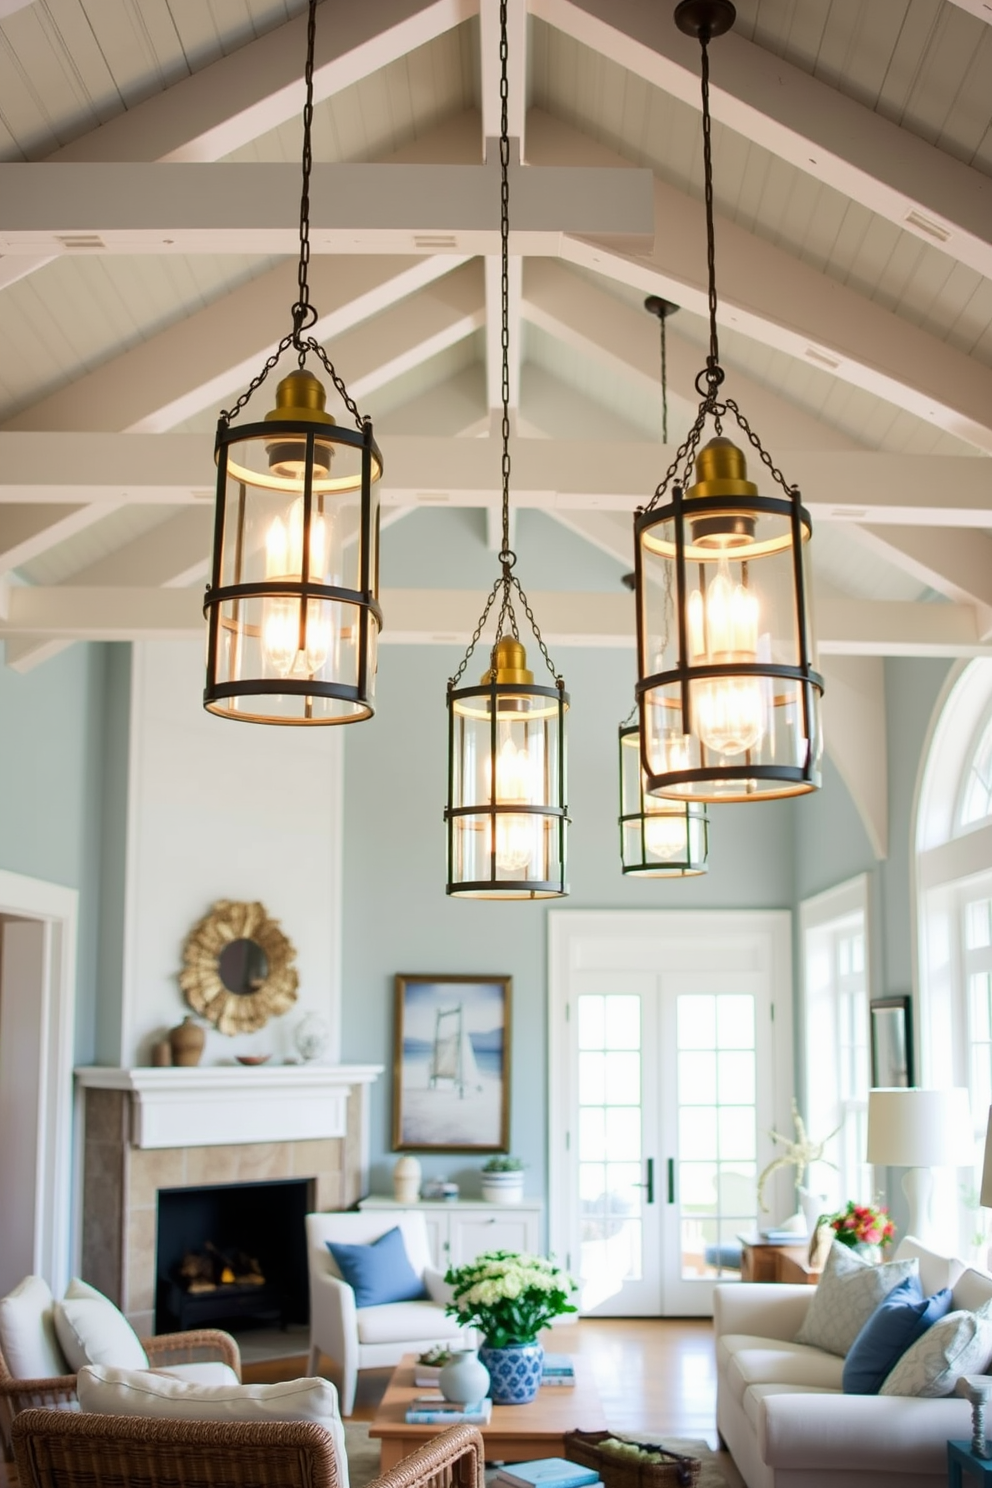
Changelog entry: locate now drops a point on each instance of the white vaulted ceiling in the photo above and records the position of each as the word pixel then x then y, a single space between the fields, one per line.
pixel 853 179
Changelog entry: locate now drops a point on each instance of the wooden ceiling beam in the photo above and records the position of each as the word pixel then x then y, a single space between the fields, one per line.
pixel 815 127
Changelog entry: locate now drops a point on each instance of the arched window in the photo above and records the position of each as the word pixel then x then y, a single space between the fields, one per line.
pixel 954 904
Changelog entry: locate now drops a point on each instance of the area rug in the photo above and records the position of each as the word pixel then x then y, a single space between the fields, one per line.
pixel 363 1457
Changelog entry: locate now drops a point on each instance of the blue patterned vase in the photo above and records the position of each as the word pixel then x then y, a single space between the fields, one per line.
pixel 514 1371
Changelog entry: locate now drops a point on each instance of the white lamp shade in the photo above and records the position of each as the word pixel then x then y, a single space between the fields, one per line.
pixel 920 1128
pixel 985 1197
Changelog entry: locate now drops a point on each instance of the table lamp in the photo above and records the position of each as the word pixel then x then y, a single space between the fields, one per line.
pixel 919 1130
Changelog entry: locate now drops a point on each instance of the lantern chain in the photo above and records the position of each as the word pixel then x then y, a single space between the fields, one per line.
pixel 507 582
pixel 304 313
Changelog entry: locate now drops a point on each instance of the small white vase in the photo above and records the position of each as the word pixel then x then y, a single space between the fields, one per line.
pixel 406 1180
pixel 502 1188
pixel 463 1380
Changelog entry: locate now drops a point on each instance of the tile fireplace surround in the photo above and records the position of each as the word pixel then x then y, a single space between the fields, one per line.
pixel 147 1129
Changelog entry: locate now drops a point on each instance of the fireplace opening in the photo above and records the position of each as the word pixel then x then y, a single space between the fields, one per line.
pixel 232 1255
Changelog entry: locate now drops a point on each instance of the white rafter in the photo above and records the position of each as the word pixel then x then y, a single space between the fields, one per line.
pixel 815 127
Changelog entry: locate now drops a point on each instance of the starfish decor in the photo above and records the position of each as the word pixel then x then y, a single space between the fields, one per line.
pixel 798 1154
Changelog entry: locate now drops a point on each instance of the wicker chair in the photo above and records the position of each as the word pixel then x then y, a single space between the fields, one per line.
pixel 55 1450
pixel 196 1347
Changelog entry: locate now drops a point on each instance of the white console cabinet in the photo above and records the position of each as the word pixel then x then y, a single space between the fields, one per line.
pixel 461 1229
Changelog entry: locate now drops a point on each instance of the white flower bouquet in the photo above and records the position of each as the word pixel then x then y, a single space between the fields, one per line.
pixel 509 1296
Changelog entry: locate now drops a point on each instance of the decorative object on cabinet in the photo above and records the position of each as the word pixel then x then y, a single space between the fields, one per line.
pixel 406 1179
pixel 451 1063
pixel 186 1042
pixel 503 1180
pixel 800 1151
pixel 162 1053
pixel 891 1042
pixel 238 967
pixel 312 1036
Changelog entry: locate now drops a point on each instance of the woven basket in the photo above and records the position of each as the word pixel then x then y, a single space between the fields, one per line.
pixel 584 1448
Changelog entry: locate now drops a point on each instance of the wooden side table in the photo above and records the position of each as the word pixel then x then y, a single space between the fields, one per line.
pixel 960 1458
pixel 797 1273
pixel 761 1260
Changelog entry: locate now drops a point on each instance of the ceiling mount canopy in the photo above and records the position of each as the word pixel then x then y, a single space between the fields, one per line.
pixel 727 695
pixel 506 814
pixel 292 609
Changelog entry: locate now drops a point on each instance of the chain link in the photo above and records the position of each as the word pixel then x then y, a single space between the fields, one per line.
pixel 304 314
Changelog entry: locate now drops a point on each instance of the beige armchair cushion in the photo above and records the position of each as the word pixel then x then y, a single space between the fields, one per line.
pixel 28 1340
pixel 92 1330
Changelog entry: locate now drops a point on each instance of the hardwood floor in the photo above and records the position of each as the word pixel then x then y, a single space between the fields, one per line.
pixel 655 1376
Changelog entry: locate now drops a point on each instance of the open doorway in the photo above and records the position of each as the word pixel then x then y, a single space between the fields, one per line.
pixel 37 1008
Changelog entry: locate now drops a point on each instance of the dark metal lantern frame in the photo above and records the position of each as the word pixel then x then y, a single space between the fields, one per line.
pixel 225 605
pixel 639 812
pixel 549 817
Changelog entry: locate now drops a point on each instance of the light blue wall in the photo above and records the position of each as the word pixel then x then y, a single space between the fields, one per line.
pixel 51 776
pixel 113 856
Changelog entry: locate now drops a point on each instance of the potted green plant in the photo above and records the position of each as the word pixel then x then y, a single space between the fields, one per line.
pixel 510 1297
pixel 503 1179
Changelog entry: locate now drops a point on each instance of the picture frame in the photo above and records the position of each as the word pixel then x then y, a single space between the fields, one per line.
pixel 451 1063
pixel 891 1042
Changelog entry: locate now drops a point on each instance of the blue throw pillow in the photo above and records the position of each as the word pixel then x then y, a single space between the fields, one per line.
pixel 380 1272
pixel 897 1322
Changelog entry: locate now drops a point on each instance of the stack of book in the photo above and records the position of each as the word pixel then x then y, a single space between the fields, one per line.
pixel 546 1472
pixel 558 1369
pixel 434 1410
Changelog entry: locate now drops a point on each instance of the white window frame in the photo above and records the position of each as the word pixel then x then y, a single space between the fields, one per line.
pixel 822 920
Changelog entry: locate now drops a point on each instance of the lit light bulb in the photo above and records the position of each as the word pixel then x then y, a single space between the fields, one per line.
pixel 664 829
pixel 723 629
pixel 281 615
pixel 514 787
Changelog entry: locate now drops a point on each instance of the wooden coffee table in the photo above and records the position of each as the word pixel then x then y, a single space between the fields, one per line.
pixel 516 1433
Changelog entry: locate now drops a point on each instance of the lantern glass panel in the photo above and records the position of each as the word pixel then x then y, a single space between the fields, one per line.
pixel 501 841
pixel 658 834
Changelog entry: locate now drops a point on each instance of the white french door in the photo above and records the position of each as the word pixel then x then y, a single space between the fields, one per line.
pixel 666 1058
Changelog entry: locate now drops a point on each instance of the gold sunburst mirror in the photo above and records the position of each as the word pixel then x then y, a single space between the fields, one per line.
pixel 238 969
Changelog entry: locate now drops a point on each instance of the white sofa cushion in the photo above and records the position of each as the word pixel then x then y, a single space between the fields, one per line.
pixel 763 1361
pixel 27 1331
pixel 208 1372
pixel 123 1392
pixel 971 1290
pixel 404 1322
pixel 936 1271
pixel 92 1330
pixel 755 1394
pixel 847 1295
pixel 959 1344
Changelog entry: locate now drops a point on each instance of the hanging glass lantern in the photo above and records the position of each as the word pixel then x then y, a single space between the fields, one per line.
pixel 727 695
pixel 292 608
pixel 658 838
pixel 506 812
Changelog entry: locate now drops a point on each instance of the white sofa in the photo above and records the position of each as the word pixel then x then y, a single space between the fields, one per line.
pixel 781 1411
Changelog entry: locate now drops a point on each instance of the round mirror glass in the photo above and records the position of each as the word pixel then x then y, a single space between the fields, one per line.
pixel 243 966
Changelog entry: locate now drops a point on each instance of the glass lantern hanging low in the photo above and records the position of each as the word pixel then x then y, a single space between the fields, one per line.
pixel 728 699
pixel 292 608
pixel 506 815
pixel 659 838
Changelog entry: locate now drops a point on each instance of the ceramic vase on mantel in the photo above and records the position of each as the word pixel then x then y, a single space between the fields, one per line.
pixel 187 1040
pixel 514 1372
pixel 464 1380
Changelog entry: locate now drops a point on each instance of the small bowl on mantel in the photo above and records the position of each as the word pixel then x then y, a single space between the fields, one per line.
pixel 252 1059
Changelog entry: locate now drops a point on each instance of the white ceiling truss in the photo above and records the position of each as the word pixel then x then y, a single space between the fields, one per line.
pixel 405 275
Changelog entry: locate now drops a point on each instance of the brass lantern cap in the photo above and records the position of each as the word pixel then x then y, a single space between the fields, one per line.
pixel 721 473
pixel 511 664
pixel 300 396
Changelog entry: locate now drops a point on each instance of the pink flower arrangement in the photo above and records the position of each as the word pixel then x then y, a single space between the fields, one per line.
pixel 862 1224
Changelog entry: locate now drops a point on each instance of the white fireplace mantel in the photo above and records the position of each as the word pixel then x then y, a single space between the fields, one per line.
pixel 226 1105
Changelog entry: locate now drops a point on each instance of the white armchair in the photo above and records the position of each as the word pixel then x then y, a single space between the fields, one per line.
pixel 357 1338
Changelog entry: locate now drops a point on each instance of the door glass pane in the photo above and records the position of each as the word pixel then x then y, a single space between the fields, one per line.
pixel 717 1131
pixel 610 1144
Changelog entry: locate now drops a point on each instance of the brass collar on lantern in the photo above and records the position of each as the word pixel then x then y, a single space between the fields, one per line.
pixel 300 398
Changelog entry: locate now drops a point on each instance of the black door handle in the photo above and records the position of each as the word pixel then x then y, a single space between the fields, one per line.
pixel 671 1180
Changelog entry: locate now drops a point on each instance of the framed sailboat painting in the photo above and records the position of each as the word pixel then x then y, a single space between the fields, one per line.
pixel 451 1063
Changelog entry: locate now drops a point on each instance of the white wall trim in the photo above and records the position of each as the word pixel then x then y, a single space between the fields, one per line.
pixel 58 908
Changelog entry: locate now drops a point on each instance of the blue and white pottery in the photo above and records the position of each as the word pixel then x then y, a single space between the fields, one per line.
pixel 464 1380
pixel 514 1372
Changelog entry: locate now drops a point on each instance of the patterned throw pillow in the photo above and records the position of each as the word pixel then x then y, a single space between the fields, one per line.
pixel 961 1343
pixel 849 1291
